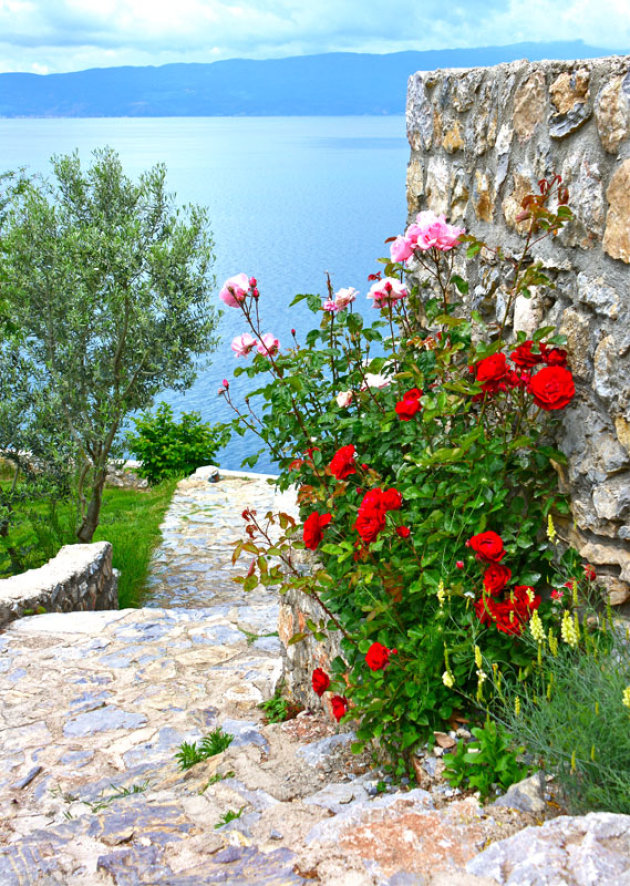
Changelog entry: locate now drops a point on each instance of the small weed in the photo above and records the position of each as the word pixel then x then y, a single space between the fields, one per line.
pixel 251 637
pixel 104 802
pixel 278 709
pixel 214 743
pixel 229 816
pixel 490 760
pixel 216 778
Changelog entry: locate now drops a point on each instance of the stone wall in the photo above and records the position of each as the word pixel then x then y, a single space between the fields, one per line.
pixel 480 141
pixel 80 577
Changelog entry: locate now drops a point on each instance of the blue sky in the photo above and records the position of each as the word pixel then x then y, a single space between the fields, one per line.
pixel 51 36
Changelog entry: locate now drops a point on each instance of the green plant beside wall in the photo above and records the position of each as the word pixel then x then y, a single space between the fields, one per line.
pixel 170 448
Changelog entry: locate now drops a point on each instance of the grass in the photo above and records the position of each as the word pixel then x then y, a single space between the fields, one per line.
pixel 214 743
pixel 130 519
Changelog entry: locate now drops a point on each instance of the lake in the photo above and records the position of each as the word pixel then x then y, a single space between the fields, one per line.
pixel 289 199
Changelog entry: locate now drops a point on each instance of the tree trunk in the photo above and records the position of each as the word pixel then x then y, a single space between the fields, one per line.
pixel 89 522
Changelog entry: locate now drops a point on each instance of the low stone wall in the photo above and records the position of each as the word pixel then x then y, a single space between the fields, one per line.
pixel 481 139
pixel 80 577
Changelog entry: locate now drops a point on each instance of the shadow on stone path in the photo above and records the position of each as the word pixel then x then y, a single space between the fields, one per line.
pixel 95 705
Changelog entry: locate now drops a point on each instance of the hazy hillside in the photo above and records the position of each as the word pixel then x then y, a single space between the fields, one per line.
pixel 334 83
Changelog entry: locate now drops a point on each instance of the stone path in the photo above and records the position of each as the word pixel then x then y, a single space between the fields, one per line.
pixel 94 707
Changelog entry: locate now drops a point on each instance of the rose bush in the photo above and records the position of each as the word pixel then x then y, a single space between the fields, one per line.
pixel 426 455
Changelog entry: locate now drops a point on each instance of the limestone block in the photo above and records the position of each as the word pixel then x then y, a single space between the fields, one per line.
pixel 617 234
pixel 527 313
pixel 415 184
pixel 595 293
pixel 583 178
pixel 459 199
pixel 567 90
pixel 612 112
pixel 452 140
pixel 437 188
pixel 522 185
pixel 529 105
pixel 575 326
pixel 622 427
pixel 502 148
pixel 483 196
pixel 606 373
pixel 608 555
pixel 465 89
pixel 618 591
pixel 612 498
pixel 419 115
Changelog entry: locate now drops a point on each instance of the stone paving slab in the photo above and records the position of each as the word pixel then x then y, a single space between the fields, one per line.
pixel 95 705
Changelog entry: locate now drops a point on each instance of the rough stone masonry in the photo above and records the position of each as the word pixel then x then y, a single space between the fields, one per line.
pixel 481 139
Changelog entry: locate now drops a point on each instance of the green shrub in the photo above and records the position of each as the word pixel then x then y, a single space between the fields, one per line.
pixel 169 448
pixel 489 761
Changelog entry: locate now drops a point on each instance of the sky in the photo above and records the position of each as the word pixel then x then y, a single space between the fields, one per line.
pixel 55 36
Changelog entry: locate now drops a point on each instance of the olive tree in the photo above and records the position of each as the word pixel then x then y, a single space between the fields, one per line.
pixel 111 283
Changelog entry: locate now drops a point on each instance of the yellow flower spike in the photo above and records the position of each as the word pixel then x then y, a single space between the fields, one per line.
pixel 517 706
pixel 574 590
pixel 536 628
pixel 551 530
pixel 593 753
pixel 573 766
pixel 568 630
pixel 553 643
pixel 597 708
pixel 539 657
pixel 626 697
pixel 478 658
pixel 576 619
pixel 440 593
pixel 549 685
pixel 447 679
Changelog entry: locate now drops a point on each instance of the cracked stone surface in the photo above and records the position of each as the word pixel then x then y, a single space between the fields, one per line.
pixel 95 705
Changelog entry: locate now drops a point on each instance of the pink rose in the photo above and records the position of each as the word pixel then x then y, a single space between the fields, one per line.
pixel 387 292
pixel 344 399
pixel 234 290
pixel 432 231
pixel 243 344
pixel 330 306
pixel 268 346
pixel 372 380
pixel 401 249
pixel 344 297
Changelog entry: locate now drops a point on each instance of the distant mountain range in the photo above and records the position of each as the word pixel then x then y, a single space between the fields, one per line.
pixel 310 85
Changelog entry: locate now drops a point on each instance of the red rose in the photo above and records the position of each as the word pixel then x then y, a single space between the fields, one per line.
pixel 552 387
pixel 524 357
pixel 482 608
pixel 490 371
pixel 320 681
pixel 488 546
pixel 339 706
pixel 377 656
pixel 406 409
pixel 403 531
pixel 495 578
pixel 313 527
pixel 391 500
pixel 342 464
pixel 554 356
pixel 370 521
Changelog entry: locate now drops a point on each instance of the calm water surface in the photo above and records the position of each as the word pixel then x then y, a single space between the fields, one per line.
pixel 289 198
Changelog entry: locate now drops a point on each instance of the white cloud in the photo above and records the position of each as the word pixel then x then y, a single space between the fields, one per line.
pixel 65 35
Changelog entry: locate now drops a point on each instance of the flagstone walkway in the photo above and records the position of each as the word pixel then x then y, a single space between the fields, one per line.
pixel 95 705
